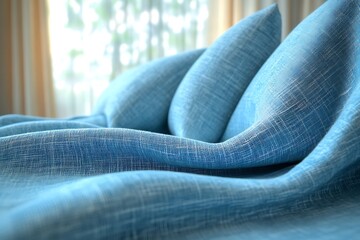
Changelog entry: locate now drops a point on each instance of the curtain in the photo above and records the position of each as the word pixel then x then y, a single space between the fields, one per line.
pixel 25 66
pixel 126 34
pixel 26 84
pixel 224 13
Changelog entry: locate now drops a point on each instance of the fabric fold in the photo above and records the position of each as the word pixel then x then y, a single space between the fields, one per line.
pixel 86 183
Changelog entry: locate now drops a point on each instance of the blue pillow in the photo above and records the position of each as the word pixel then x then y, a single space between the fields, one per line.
pixel 206 98
pixel 297 94
pixel 140 98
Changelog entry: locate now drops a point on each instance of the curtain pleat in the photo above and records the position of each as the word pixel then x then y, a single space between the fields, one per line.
pixel 225 13
pixel 5 56
pixel 28 77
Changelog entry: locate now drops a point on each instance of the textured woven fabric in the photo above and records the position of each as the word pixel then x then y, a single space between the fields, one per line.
pixel 10 119
pixel 84 184
pixel 140 98
pixel 14 124
pixel 207 96
pixel 319 55
pixel 295 104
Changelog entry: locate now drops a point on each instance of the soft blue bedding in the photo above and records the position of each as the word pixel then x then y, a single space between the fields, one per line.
pixel 287 165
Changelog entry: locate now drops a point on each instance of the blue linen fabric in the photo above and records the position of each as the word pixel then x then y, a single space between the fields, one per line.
pixel 81 183
pixel 140 98
pixel 14 124
pixel 299 92
pixel 207 96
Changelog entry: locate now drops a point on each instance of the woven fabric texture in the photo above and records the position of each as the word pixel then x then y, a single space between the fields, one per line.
pixel 140 98
pixel 207 96
pixel 288 170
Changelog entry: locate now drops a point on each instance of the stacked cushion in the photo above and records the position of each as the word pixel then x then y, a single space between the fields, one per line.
pixel 137 99
pixel 140 98
pixel 210 91
pixel 297 95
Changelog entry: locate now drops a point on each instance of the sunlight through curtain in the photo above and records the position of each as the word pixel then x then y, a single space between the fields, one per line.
pixel 26 84
pixel 93 41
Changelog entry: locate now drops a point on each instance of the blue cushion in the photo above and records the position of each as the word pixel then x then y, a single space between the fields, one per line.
pixel 296 96
pixel 206 98
pixel 140 98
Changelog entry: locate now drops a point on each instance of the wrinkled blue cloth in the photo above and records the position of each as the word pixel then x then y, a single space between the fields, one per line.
pixel 288 170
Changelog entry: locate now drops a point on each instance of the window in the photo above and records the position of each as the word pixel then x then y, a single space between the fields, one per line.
pixel 92 41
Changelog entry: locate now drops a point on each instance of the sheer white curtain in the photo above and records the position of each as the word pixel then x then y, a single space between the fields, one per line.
pixel 93 41
pixel 225 13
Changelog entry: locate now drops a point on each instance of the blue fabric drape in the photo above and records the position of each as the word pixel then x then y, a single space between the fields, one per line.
pixel 289 169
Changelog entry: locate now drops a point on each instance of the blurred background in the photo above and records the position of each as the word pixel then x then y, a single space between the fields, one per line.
pixel 57 56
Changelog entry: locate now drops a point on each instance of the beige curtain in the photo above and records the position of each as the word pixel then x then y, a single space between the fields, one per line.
pixel 224 13
pixel 25 66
